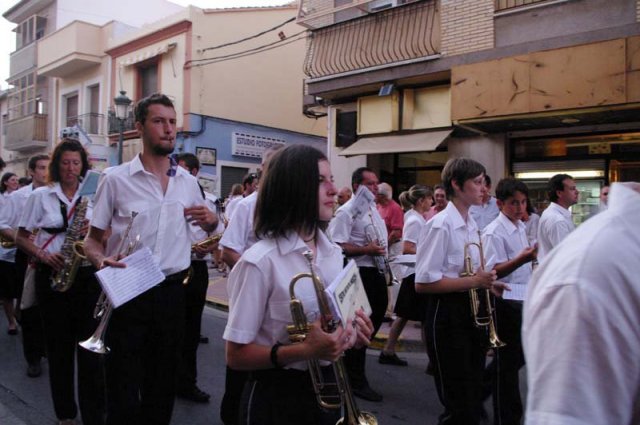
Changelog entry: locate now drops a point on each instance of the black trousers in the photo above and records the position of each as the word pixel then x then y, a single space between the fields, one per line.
pixel 284 397
pixel 457 350
pixel 145 338
pixel 508 361
pixel 195 293
pixel 234 382
pixel 30 319
pixel 375 286
pixel 68 319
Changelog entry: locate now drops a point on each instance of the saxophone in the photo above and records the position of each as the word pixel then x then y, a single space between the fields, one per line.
pixel 72 250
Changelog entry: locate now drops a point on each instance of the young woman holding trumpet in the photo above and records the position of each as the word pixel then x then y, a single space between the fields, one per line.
pixel 280 390
pixel 456 346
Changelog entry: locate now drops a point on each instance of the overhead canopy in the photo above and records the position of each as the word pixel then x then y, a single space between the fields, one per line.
pixel 147 54
pixel 416 142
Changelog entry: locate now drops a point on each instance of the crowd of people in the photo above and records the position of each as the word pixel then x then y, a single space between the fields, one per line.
pixel 486 276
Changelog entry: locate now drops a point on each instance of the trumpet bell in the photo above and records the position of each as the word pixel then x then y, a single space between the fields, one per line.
pixel 95 345
pixel 364 418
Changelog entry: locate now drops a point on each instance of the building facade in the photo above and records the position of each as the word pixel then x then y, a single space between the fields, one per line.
pixel 528 87
pixel 58 71
pixel 236 91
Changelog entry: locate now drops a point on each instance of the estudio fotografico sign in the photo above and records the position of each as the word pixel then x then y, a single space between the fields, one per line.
pixel 252 146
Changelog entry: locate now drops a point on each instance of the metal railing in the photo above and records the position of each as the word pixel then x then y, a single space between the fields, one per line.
pixel 92 122
pixel 395 35
pixel 114 122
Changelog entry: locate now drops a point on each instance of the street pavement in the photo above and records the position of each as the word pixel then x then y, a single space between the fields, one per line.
pixel 409 394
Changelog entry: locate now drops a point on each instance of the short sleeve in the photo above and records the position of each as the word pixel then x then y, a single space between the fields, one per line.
pixel 431 252
pixel 494 250
pixel 237 233
pixel 340 227
pixel 33 212
pixel 103 204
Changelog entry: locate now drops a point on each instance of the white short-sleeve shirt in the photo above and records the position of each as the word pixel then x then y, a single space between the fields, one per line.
pixel 555 225
pixel 239 235
pixel 259 298
pixel 440 250
pixel 347 228
pixel 502 242
pixel 581 323
pixel 413 224
pixel 42 210
pixel 160 222
pixel 485 213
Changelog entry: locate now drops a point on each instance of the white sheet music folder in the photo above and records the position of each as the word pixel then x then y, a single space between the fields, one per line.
pixel 347 294
pixel 123 284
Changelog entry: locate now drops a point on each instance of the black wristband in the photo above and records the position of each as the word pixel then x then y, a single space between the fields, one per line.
pixel 274 355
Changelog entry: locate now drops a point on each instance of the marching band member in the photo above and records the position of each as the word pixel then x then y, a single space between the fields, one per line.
pixel 280 390
pixel 30 320
pixel 238 237
pixel 455 346
pixel 409 305
pixel 67 316
pixel 195 298
pixel 350 233
pixel 507 251
pixel 144 334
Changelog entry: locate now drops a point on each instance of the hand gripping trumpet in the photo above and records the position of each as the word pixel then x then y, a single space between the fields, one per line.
pixel 382 262
pixel 481 307
pixel 329 395
pixel 103 307
pixel 203 244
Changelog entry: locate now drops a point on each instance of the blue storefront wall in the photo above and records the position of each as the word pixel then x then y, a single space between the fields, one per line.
pixel 215 133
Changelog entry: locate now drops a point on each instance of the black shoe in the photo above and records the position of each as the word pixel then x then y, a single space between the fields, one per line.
pixel 34 370
pixel 204 340
pixel 194 394
pixel 367 393
pixel 392 359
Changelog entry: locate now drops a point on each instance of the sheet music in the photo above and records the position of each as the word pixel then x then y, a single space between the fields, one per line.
pixel 123 284
pixel 518 292
pixel 89 184
pixel 362 201
pixel 347 294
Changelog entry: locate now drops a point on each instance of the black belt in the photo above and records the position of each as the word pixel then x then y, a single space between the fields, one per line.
pixel 174 278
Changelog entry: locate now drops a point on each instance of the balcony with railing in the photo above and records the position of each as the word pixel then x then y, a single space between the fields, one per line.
pixel 71 49
pixel 114 122
pixel 393 36
pixel 92 123
pixel 27 133
pixel 23 60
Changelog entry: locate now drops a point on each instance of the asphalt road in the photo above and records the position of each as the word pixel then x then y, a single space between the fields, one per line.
pixel 409 394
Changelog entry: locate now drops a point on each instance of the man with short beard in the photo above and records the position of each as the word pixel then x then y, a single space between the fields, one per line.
pixel 144 334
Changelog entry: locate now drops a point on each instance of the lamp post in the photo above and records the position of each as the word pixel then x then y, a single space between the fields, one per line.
pixel 122 103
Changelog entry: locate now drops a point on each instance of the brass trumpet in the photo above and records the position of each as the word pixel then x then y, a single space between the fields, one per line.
pixel 328 395
pixel 481 308
pixel 203 244
pixel 104 308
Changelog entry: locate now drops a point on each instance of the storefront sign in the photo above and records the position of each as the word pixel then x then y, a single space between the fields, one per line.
pixel 252 146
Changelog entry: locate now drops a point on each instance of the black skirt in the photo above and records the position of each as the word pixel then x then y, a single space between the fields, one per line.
pixel 8 283
pixel 410 305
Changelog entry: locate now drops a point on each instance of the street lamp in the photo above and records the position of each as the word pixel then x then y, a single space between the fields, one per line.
pixel 122 103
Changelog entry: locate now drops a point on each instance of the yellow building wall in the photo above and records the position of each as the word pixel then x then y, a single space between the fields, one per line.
pixel 264 88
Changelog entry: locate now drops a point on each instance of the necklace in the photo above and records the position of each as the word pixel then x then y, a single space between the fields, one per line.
pixel 313 236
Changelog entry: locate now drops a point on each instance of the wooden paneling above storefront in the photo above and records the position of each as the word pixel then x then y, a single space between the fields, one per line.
pixel 590 75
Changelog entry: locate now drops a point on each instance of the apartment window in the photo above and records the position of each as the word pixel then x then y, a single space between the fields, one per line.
pixel 30 30
pixel 71 109
pixel 22 97
pixel 92 122
pixel 147 79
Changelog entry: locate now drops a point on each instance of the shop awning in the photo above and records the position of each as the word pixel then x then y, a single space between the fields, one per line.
pixel 147 54
pixel 416 142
